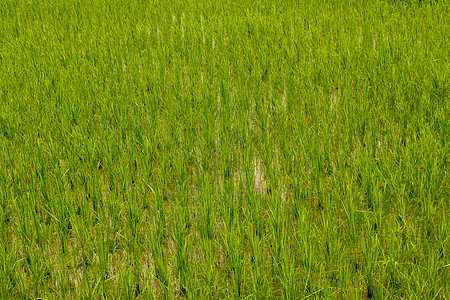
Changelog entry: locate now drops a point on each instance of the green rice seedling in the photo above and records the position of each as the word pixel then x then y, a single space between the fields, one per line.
pixel 257 258
pixel 158 246
pixel 233 247
pixel 180 239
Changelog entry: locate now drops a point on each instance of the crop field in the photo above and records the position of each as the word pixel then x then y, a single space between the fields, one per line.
pixel 228 149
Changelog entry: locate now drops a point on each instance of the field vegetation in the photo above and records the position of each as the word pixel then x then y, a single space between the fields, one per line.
pixel 222 149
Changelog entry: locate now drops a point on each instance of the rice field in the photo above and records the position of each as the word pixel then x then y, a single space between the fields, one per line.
pixel 228 149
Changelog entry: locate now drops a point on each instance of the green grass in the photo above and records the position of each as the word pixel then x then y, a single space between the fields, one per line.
pixel 224 149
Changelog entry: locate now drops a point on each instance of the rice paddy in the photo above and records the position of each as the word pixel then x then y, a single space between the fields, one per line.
pixel 224 149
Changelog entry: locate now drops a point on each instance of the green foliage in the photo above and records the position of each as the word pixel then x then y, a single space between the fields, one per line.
pixel 224 149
